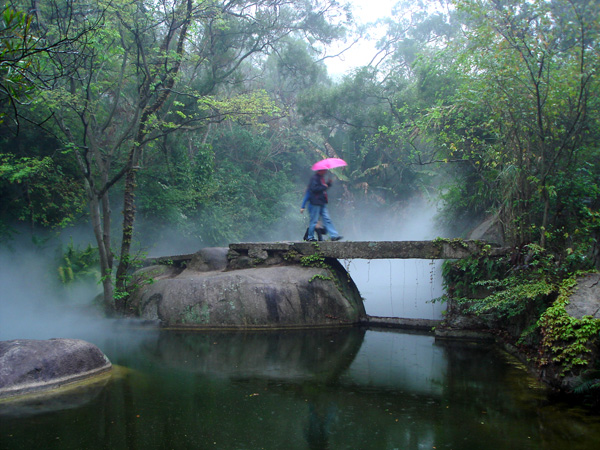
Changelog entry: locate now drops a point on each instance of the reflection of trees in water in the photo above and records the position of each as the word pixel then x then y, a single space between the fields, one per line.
pixel 307 362
pixel 472 370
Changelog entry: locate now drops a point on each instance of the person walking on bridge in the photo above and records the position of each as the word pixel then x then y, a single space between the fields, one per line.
pixel 320 230
pixel 317 196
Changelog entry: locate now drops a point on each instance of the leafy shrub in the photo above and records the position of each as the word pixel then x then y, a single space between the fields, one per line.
pixel 75 264
pixel 566 340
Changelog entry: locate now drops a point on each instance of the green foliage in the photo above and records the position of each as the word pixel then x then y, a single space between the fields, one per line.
pixel 38 46
pixel 36 191
pixel 248 109
pixel 319 276
pixel 566 341
pixel 573 231
pixel 76 264
pixel 455 243
pixel 315 260
pixel 461 277
pixel 588 385
pixel 232 187
pixel 17 44
pixel 507 291
pixel 517 119
pixel 537 285
pixel 510 297
pixel 132 280
pixel 357 106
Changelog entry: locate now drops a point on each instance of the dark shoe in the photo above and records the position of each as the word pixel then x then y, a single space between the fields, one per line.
pixel 312 239
pixel 337 238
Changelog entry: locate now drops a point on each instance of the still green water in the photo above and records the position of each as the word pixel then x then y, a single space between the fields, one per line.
pixel 319 389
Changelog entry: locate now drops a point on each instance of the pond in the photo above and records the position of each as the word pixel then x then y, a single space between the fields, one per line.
pixel 350 388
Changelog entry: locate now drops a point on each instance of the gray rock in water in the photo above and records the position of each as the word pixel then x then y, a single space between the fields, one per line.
pixel 35 365
pixel 264 297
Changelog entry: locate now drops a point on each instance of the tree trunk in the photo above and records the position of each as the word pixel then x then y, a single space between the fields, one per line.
pixel 128 221
pixel 100 218
pixel 148 110
pixel 544 225
pixel 103 251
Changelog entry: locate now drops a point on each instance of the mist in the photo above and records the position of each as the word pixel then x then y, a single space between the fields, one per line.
pixel 390 288
pixel 34 304
pixel 393 287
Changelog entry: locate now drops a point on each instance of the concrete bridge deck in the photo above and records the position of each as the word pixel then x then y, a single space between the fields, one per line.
pixel 436 249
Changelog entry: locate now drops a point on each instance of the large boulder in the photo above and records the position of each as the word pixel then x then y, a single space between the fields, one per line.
pixel 36 365
pixel 585 299
pixel 490 230
pixel 261 297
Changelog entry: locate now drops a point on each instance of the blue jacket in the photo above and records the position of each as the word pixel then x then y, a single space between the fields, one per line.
pixel 317 190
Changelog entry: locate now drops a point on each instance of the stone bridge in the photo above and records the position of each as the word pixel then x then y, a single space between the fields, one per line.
pixel 243 255
pixel 261 254
pixel 436 249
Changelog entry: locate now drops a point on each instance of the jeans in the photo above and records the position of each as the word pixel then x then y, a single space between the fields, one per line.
pixel 315 211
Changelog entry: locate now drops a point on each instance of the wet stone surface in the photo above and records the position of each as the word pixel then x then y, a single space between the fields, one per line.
pixel 585 300
pixel 28 365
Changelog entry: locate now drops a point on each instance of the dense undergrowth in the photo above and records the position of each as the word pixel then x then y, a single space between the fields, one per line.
pixel 523 298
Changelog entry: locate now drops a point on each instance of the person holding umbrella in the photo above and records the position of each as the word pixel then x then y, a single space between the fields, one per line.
pixel 317 196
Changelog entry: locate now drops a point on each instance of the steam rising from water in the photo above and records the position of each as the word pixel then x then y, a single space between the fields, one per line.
pixel 34 306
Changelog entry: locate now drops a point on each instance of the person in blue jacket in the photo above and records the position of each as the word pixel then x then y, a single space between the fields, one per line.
pixel 319 229
pixel 317 200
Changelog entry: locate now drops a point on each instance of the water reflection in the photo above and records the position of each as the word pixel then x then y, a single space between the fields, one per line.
pixel 392 360
pixel 311 389
pixel 317 355
pixel 73 396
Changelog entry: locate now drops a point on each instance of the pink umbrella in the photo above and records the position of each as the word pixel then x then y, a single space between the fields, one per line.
pixel 329 163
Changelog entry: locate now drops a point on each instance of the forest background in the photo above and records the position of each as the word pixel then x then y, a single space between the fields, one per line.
pixel 197 123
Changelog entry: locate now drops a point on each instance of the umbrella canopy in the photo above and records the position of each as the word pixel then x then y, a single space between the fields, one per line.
pixel 329 163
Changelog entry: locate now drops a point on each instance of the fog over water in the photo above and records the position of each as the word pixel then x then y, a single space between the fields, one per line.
pixel 34 306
